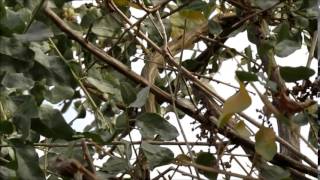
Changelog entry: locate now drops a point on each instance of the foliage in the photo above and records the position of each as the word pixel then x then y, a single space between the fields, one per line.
pixel 46 73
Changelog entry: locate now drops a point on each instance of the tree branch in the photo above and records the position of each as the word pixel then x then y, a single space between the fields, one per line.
pixel 278 159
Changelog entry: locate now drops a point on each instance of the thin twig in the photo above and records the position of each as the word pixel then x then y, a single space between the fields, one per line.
pixel 210 169
pixel 166 143
pixel 93 104
pixel 117 65
pixel 87 156
pixel 177 9
pixel 180 125
pixel 312 48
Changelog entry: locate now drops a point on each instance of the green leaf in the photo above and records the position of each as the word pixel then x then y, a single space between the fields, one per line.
pixel 265 143
pixel 26 110
pixel 263 4
pixel 251 33
pixel 7 173
pixel 106 26
pixel 242 130
pixel 248 52
pixel 214 27
pixel 17 51
pixel 122 122
pixel 207 159
pixel 128 93
pixel 60 3
pixel 27 161
pixel 13 22
pixel 141 98
pixel 301 118
pixel 292 74
pixel 193 20
pixel 6 127
pixel 273 172
pixel 287 41
pixel 192 65
pixel 79 107
pixel 300 21
pixel 151 124
pixel 51 124
pixel 99 136
pixel 152 29
pixel 287 47
pixel 313 133
pixel 309 8
pixel 2 9
pixel 246 76
pixel 38 31
pixel 17 80
pixel 156 155
pixel 55 69
pixel 115 165
pixel 196 5
pixel 101 85
pixel 90 16
pixel 59 93
pixel 234 104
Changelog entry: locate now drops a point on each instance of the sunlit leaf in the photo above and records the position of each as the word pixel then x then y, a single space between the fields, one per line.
pixel 121 2
pixel 181 159
pixel 265 143
pixel 193 20
pixel 234 104
pixel 242 130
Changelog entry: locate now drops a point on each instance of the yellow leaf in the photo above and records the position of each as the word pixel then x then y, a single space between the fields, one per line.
pixel 242 130
pixel 121 2
pixel 265 143
pixel 193 20
pixel 192 15
pixel 234 104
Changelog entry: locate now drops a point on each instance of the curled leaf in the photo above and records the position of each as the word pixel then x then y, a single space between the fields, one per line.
pixel 234 104
pixel 265 143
